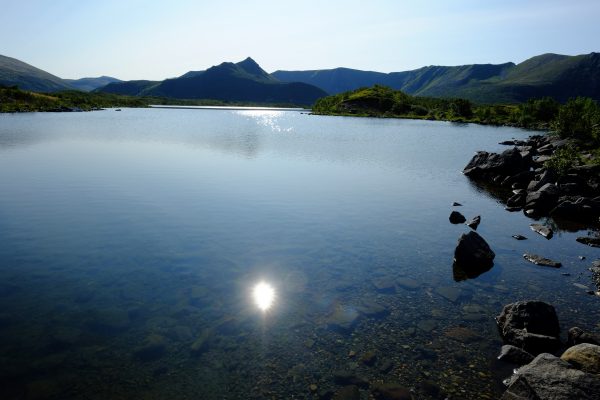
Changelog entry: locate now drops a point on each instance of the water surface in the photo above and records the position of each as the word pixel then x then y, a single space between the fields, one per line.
pixel 130 244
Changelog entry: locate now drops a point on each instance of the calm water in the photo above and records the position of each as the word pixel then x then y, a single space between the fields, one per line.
pixel 130 244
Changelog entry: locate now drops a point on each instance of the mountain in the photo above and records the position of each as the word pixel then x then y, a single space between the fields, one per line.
pixel 89 84
pixel 27 77
pixel 553 75
pixel 244 81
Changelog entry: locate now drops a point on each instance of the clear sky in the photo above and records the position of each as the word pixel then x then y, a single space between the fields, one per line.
pixel 157 39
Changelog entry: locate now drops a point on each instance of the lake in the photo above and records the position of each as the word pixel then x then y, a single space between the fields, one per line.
pixel 131 244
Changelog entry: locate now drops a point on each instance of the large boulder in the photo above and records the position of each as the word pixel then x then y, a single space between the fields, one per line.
pixel 541 201
pixel 472 256
pixel 484 164
pixel 584 356
pixel 530 325
pixel 550 378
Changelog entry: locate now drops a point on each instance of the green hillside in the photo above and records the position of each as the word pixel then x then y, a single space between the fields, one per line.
pixel 548 75
pixel 27 77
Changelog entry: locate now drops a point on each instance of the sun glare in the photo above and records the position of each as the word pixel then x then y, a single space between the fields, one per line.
pixel 263 295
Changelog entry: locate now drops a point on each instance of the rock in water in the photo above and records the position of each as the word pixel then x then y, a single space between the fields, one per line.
pixel 350 392
pixel 549 377
pixel 390 391
pixel 457 218
pixel 590 241
pixel 515 355
pixel 485 164
pixel 474 223
pixel 542 230
pixel 456 204
pixel 472 257
pixel 538 260
pixel 577 335
pixel 530 325
pixel 519 237
pixel 584 356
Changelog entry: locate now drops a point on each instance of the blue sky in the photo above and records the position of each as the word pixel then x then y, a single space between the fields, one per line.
pixel 146 39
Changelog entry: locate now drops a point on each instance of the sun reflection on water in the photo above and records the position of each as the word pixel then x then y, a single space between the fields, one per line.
pixel 263 295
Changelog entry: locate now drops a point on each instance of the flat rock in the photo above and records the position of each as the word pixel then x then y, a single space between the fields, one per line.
pixel 550 378
pixel 408 283
pixel 519 237
pixel 384 285
pixel 349 378
pixel 390 391
pixel 462 334
pixel 372 309
pixel 589 240
pixel 450 293
pixel 343 318
pixel 456 217
pixel 427 325
pixel 542 230
pixel 349 392
pixel 584 356
pixel 455 204
pixel 538 260
pixel 514 355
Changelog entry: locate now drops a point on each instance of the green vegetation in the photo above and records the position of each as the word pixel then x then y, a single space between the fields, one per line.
pixel 13 99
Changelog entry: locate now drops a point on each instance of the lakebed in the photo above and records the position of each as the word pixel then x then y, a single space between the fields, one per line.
pixel 130 244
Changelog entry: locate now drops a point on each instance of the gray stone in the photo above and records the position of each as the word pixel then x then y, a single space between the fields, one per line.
pixel 538 260
pixel 542 201
pixel 343 318
pixel 349 378
pixel 519 237
pixel 449 293
pixel 350 392
pixel 372 309
pixel 485 164
pixel 514 355
pixel 542 230
pixel 589 240
pixel 550 378
pixel 408 283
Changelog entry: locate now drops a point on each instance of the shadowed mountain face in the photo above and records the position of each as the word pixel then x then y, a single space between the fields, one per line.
pixel 243 81
pixel 551 75
pixel 27 77
pixel 89 84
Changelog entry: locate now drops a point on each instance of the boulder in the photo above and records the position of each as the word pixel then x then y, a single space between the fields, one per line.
pixel 474 223
pixel 514 355
pixel 472 256
pixel 542 230
pixel 484 164
pixel 543 178
pixel 550 378
pixel 541 201
pixel 576 208
pixel 538 260
pixel 516 200
pixel 577 336
pixel 584 356
pixel 457 218
pixel 530 325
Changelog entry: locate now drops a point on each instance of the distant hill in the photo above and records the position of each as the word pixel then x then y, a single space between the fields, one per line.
pixel 89 84
pixel 244 81
pixel 27 77
pixel 551 75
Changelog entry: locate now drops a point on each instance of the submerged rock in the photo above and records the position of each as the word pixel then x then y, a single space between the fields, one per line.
pixel 390 391
pixel 549 377
pixel 530 325
pixel 456 217
pixel 349 378
pixel 372 309
pixel 472 257
pixel 542 230
pixel 153 348
pixel 538 260
pixel 350 392
pixel 584 356
pixel 343 318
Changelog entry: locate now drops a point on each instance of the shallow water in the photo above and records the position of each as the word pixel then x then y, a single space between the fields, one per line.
pixel 130 244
